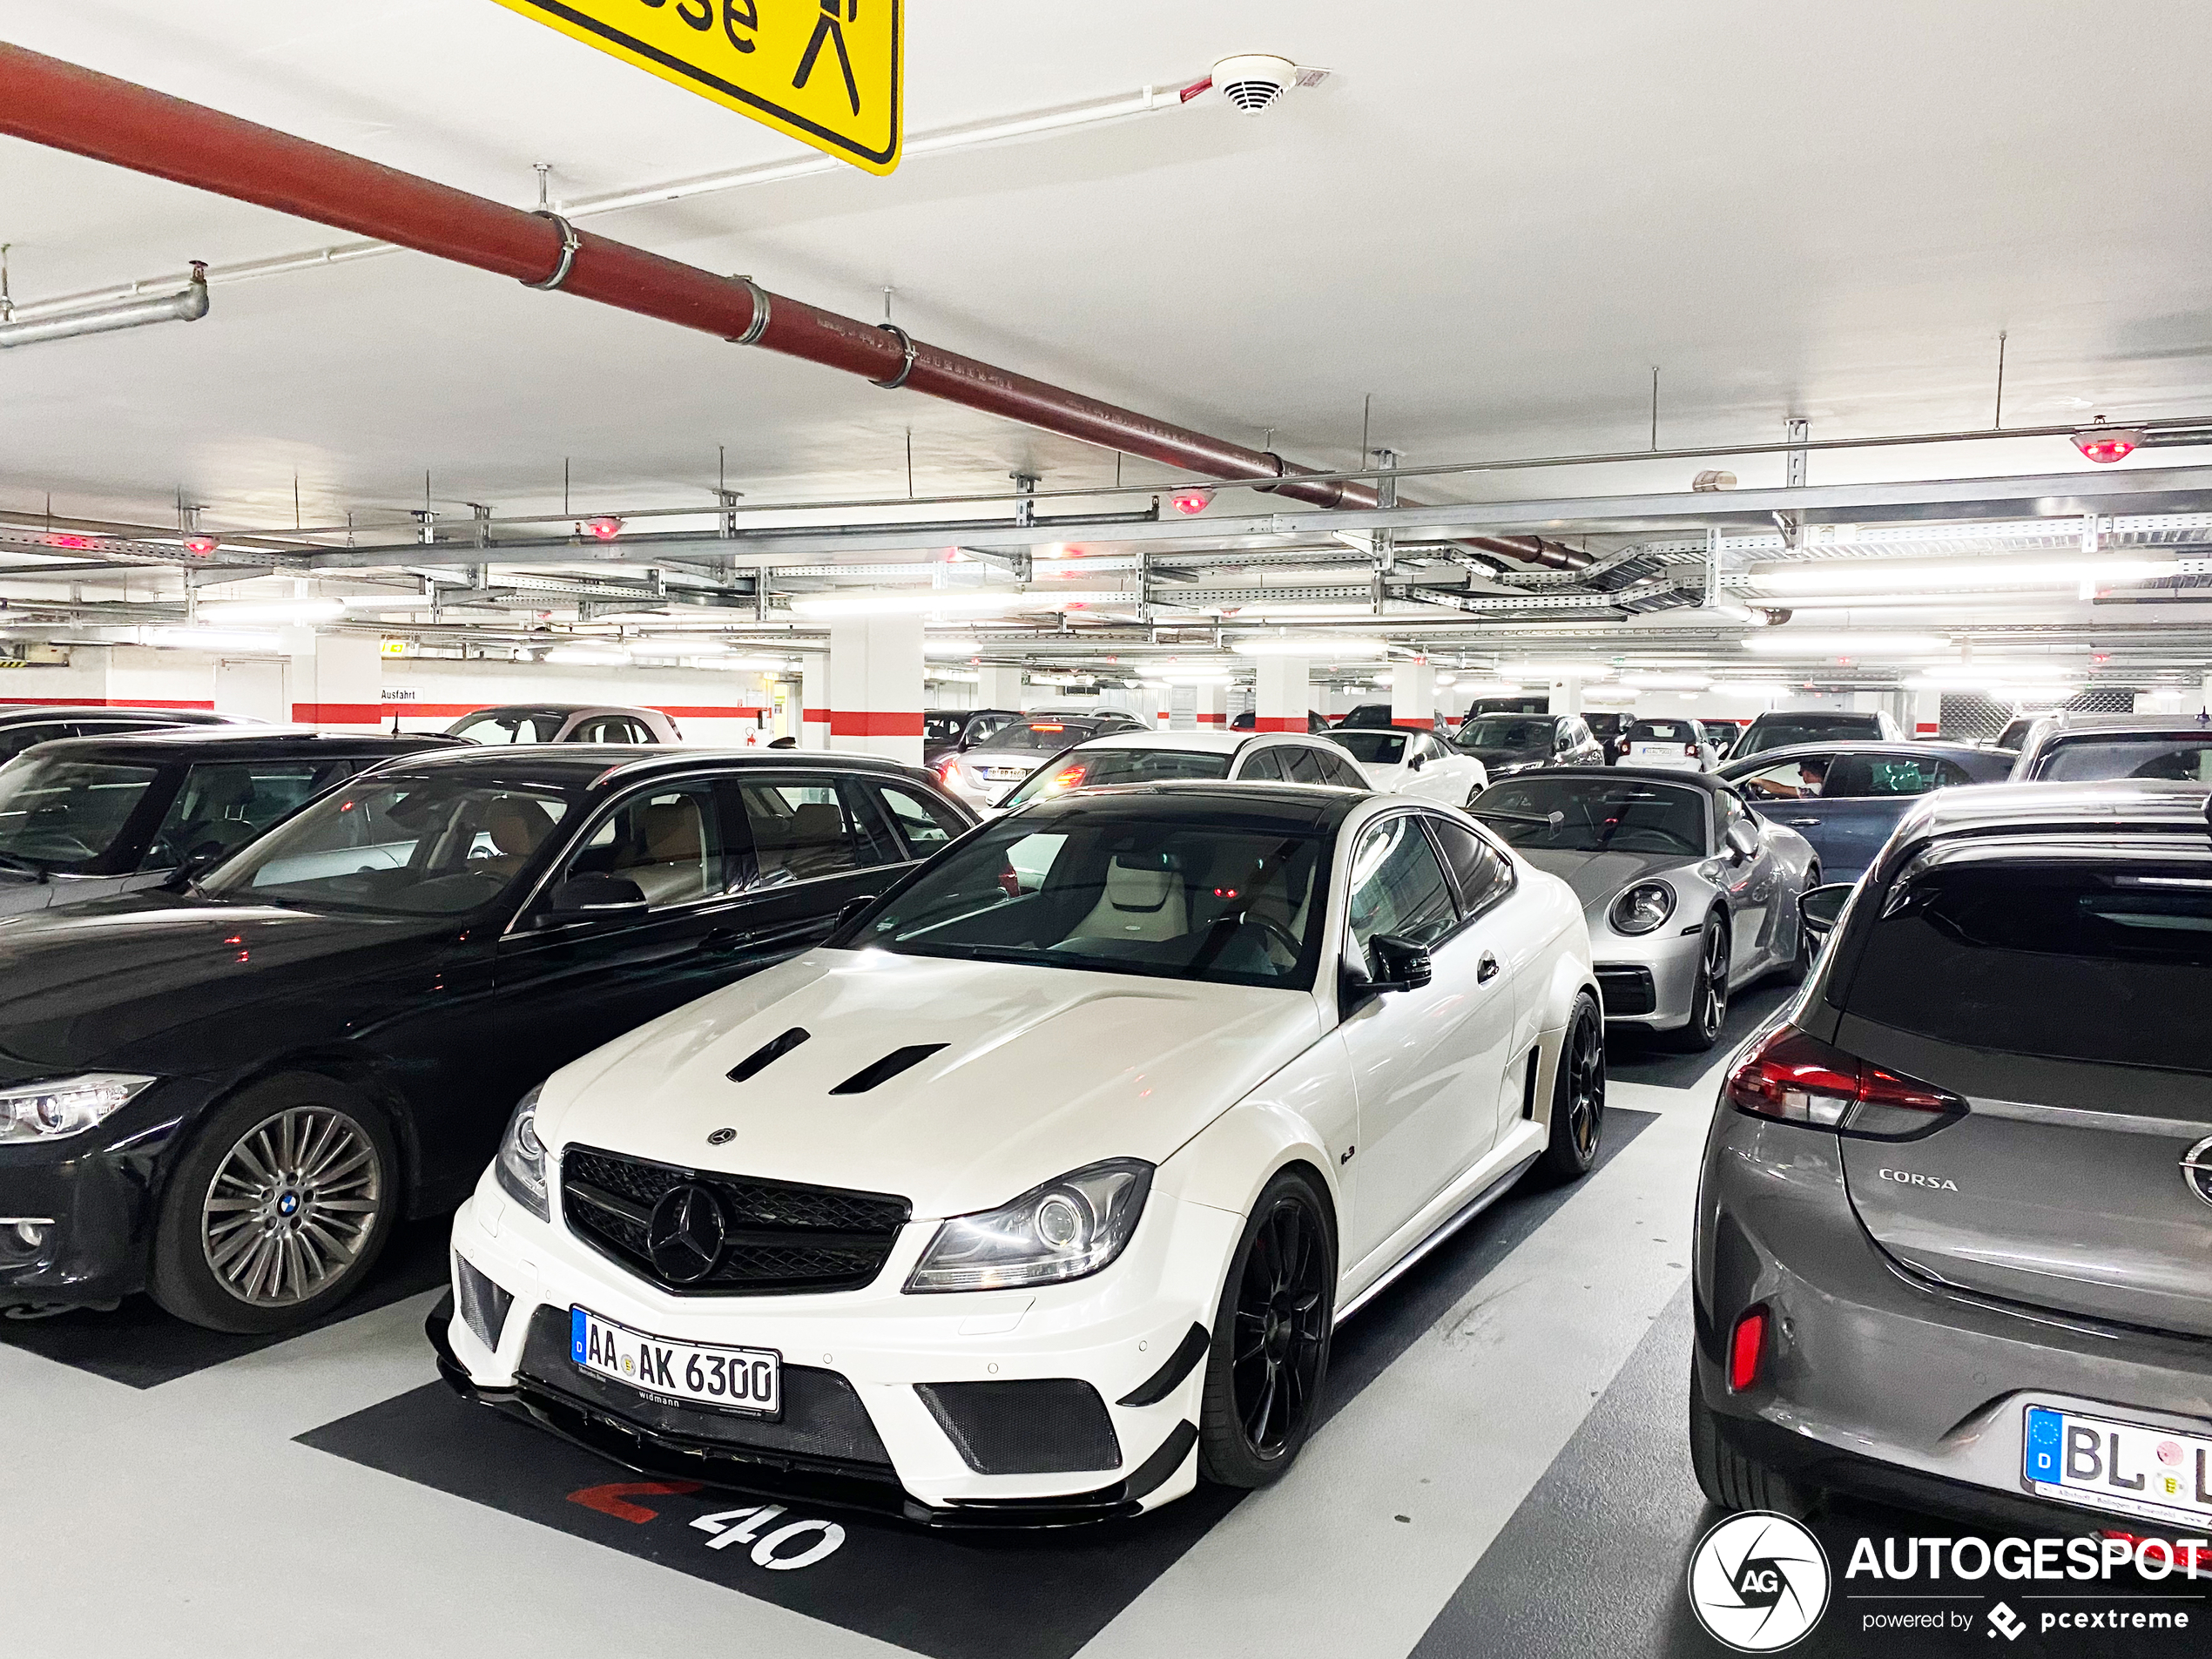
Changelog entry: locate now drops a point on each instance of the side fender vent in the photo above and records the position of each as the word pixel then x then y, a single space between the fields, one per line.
pixel 766 1055
pixel 885 1069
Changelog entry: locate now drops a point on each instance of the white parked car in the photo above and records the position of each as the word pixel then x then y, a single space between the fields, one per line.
pixel 1186 757
pixel 1668 745
pixel 1033 1199
pixel 988 771
pixel 1400 760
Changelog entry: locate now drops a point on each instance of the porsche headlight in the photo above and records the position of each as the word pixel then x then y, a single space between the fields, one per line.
pixel 1643 907
pixel 1064 1229
pixel 59 1106
pixel 521 1163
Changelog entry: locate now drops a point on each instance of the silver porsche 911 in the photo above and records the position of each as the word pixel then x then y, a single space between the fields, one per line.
pixel 1689 894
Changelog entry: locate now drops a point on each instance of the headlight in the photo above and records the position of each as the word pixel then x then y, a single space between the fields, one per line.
pixel 520 1163
pixel 60 1106
pixel 1063 1230
pixel 1643 907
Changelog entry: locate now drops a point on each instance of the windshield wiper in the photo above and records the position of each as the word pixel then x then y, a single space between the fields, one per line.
pixel 10 862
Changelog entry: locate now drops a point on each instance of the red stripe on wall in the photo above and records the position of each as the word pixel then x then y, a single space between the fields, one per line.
pixel 817 716
pixel 107 702
pixel 677 712
pixel 1213 720
pixel 707 711
pixel 339 713
pixel 1279 723
pixel 1424 721
pixel 1929 728
pixel 874 723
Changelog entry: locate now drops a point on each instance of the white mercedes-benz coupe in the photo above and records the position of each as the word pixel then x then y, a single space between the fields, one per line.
pixel 1034 1196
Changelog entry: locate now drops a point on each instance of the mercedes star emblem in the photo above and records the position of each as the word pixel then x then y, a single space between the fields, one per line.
pixel 2196 1169
pixel 722 1137
pixel 686 1235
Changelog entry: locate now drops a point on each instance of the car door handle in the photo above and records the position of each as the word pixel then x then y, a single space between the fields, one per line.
pixel 725 941
pixel 1486 969
pixel 1802 823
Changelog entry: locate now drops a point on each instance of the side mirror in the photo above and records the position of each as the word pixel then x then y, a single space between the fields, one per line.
pixel 1741 840
pixel 594 898
pixel 1823 906
pixel 1400 965
pixel 853 908
pixel 1417 763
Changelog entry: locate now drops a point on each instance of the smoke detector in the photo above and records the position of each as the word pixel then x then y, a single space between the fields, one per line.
pixel 1256 82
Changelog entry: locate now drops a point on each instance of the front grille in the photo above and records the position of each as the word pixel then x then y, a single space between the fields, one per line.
pixel 781 1237
pixel 1626 990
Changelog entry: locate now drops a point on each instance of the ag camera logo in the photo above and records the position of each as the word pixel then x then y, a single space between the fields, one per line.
pixel 1759 1582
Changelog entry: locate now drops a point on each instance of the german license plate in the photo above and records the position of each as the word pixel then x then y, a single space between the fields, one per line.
pixel 736 1379
pixel 2127 1467
pixel 1004 774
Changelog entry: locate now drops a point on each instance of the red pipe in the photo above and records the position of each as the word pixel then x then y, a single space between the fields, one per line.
pixel 67 107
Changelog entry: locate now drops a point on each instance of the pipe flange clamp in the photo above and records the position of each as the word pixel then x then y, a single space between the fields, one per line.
pixel 905 368
pixel 571 242
pixel 759 326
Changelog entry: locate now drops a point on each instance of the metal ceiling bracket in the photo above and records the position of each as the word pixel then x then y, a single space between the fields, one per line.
pixel 571 239
pixel 761 308
pixel 906 341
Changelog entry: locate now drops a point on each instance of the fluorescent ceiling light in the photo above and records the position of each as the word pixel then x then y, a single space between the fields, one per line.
pixel 288 610
pixel 1174 677
pixel 390 602
pixel 1887 575
pixel 1667 682
pixel 949 646
pixel 588 656
pixel 1321 648
pixel 209 639
pixel 946 601
pixel 957 676
pixel 1556 671
pixel 1788 642
pixel 1489 688
pixel 1982 672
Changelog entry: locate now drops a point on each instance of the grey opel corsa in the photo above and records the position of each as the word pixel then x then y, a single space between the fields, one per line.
pixel 1954 1229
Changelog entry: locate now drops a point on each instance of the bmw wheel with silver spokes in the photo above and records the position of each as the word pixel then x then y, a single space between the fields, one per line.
pixel 292 1206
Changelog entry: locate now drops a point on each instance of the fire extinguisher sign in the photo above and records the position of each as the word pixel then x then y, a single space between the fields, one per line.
pixel 827 72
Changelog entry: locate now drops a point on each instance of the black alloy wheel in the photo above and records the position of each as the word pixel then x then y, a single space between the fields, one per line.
pixel 1270 1346
pixel 1708 995
pixel 1578 1096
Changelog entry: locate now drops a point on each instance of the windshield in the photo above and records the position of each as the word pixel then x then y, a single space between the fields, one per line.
pixel 1506 732
pixel 1594 815
pixel 510 725
pixel 64 814
pixel 1372 748
pixel 1045 737
pixel 1088 768
pixel 2061 962
pixel 1166 899
pixel 437 845
pixel 1768 732
pixel 941 728
pixel 2093 759
pixel 1664 731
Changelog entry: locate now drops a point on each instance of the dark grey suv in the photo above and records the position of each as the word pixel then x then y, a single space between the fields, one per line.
pixel 1955 1214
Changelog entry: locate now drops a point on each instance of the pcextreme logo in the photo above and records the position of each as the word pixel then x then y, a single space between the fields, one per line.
pixel 1759 1582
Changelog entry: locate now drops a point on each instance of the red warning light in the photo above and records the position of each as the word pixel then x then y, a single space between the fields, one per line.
pixel 604 529
pixel 1190 502
pixel 2106 444
pixel 201 545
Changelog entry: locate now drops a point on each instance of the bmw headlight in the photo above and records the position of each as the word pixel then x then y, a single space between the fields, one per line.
pixel 1643 907
pixel 60 1106
pixel 1063 1230
pixel 521 1163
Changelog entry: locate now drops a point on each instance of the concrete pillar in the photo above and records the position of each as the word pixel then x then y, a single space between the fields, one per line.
pixel 1282 693
pixel 813 701
pixel 1000 686
pixel 335 679
pixel 875 687
pixel 1412 693
pixel 1209 709
pixel 1927 714
pixel 1567 694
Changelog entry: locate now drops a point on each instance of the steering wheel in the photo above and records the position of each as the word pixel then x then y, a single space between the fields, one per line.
pixel 1275 930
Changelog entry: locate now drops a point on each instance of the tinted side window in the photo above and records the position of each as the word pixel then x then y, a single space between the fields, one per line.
pixel 670 841
pixel 924 822
pixel 17 738
pixel 806 828
pixel 1856 776
pixel 1797 779
pixel 1398 886
pixel 1342 772
pixel 1481 874
pixel 221 807
pixel 1303 764
pixel 1261 766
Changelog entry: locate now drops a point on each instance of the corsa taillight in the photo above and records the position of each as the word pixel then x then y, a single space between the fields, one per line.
pixel 1746 1349
pixel 1794 1077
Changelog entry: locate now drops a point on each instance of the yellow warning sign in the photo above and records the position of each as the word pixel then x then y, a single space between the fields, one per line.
pixel 828 73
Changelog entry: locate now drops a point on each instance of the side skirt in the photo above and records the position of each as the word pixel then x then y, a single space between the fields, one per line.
pixel 1442 1230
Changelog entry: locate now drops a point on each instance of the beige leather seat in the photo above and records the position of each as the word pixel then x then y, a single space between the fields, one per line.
pixel 1142 904
pixel 517 828
pixel 671 867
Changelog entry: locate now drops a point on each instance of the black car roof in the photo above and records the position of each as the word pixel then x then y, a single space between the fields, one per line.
pixel 1820 717
pixel 1262 807
pixel 241 743
pixel 1705 780
pixel 32 713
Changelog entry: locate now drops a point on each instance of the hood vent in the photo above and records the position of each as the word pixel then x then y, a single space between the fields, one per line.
pixel 766 1055
pixel 885 1069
